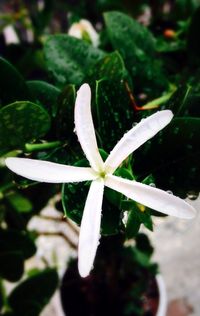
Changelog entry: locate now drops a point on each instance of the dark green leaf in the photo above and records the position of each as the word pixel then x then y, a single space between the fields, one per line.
pixel 13 240
pixel 113 111
pixel 143 244
pixel 12 85
pixel 180 101
pixel 31 295
pixel 11 265
pixel 133 224
pixel 111 222
pixel 64 121
pixel 44 94
pixel 68 58
pixel 21 122
pixel 111 67
pixel 73 199
pixel 137 46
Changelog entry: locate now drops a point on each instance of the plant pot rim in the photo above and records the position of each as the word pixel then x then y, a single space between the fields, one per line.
pixel 162 306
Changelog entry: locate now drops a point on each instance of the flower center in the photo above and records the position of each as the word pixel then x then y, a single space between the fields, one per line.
pixel 102 174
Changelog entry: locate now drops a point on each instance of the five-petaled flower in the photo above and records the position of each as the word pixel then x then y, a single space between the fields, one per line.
pixel 102 174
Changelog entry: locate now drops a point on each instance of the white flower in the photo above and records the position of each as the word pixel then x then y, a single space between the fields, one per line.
pixel 101 174
pixel 84 27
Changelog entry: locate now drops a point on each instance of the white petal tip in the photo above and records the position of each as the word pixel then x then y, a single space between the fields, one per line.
pixel 85 88
pixel 183 210
pixel 192 214
pixel 83 274
pixel 83 269
pixel 164 117
pixel 168 114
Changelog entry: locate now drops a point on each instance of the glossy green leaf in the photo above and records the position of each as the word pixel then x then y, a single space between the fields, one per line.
pixel 44 94
pixel 110 67
pixel 68 58
pixel 111 221
pixel 73 199
pixel 133 224
pixel 137 215
pixel 31 295
pixel 185 101
pixel 22 122
pixel 11 265
pixel 114 112
pixel 64 121
pixel 136 44
pixel 12 85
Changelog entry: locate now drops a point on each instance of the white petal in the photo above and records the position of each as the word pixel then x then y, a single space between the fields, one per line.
pixel 85 128
pixel 90 228
pixel 45 171
pixel 154 198
pixel 137 136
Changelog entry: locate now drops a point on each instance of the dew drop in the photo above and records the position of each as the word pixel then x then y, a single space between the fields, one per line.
pixel 192 195
pixel 169 192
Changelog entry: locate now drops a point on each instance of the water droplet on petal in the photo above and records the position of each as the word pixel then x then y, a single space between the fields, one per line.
pixel 169 192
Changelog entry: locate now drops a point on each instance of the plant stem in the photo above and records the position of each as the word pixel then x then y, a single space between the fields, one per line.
pixel 58 234
pixel 42 146
pixel 60 220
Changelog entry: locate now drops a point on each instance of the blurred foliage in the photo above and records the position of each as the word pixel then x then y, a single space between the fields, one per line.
pixel 148 59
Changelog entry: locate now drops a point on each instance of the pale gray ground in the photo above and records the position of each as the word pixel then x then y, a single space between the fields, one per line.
pixel 177 244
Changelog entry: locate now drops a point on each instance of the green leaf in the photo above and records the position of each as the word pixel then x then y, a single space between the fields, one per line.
pixel 11 265
pixel 145 218
pixel 19 202
pixel 31 295
pixel 137 215
pixel 180 101
pixel 68 58
pixel 113 110
pixel 143 244
pixel 111 221
pixel 110 67
pixel 13 240
pixel 45 94
pixel 142 258
pixel 137 46
pixel 133 224
pixel 73 200
pixel 64 121
pixel 21 122
pixel 12 84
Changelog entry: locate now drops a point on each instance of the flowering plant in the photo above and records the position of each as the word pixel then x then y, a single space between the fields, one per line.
pixel 126 79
